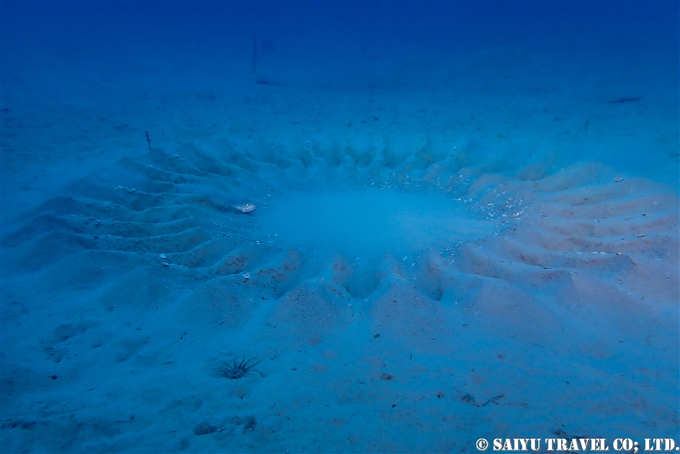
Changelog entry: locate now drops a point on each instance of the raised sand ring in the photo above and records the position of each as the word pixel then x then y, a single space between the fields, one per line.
pixel 467 274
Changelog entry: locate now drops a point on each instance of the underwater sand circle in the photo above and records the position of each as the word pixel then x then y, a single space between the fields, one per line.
pixel 433 217
pixel 422 209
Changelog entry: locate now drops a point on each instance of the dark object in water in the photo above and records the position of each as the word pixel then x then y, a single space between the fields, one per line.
pixel 254 53
pixel 268 82
pixel 248 422
pixel 469 399
pixel 622 100
pixel 204 428
pixel 235 370
pixel 147 139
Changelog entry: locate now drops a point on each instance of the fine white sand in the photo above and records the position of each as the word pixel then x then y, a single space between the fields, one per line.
pixel 441 251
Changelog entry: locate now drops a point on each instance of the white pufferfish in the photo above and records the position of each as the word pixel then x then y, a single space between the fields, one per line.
pixel 247 208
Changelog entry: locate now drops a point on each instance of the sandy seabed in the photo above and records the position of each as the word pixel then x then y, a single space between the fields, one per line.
pixel 504 294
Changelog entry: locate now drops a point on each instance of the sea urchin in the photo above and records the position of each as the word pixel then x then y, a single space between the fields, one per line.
pixel 236 370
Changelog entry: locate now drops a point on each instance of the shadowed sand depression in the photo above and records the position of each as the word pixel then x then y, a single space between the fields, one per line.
pixel 413 286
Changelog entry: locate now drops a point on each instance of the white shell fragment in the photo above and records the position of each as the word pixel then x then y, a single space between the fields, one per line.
pixel 245 276
pixel 163 256
pixel 247 208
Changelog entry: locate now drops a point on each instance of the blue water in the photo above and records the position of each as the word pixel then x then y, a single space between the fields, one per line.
pixel 466 224
pixel 87 34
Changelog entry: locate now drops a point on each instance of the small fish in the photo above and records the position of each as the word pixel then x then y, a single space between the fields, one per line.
pixel 247 208
pixel 622 100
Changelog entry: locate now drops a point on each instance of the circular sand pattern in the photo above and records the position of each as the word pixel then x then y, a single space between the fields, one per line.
pixel 459 276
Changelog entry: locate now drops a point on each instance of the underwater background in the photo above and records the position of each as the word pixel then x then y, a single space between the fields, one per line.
pixel 338 226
